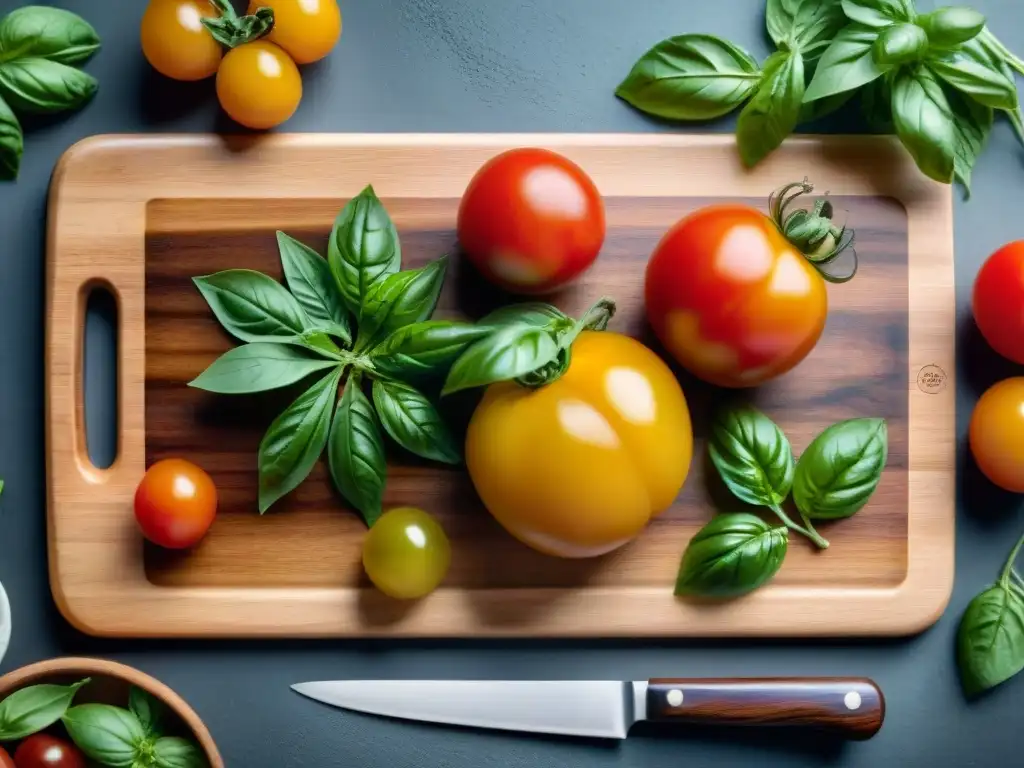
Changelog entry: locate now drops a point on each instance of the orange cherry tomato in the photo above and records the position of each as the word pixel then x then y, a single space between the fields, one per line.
pixel 175 503
pixel 176 43
pixel 997 434
pixel 531 221
pixel 259 85
pixel 998 301
pixel 306 29
pixel 731 299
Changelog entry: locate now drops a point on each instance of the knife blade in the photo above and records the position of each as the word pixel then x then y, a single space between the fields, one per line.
pixel 851 708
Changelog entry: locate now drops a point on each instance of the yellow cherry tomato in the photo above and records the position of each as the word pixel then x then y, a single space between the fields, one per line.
pixel 306 29
pixel 176 43
pixel 259 85
pixel 997 434
pixel 578 467
pixel 406 554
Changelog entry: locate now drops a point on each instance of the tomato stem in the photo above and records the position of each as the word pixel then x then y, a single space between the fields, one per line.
pixel 231 30
pixel 594 319
pixel 809 531
pixel 812 231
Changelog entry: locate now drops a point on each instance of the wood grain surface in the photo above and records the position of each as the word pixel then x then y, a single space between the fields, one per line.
pixel 187 206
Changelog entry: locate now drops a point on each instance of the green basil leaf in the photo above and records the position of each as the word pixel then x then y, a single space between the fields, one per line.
pixel 310 281
pixel 258 367
pixel 847 65
pixel 363 248
pixel 899 44
pixel 879 13
pixel 509 352
pixel 44 86
pixel 295 440
pixel 148 709
pixel 752 455
pixel 840 469
pixel 12 143
pixel 35 708
pixel 321 343
pixel 413 422
pixel 814 23
pixel 106 734
pixel 974 70
pixel 924 122
pixel 252 306
pixel 174 752
pixel 399 300
pixel 990 639
pixel 779 17
pixel 951 26
pixel 38 31
pixel 731 556
pixel 356 453
pixel 816 110
pixel 529 313
pixel 973 125
pixel 424 349
pixel 772 114
pixel 691 77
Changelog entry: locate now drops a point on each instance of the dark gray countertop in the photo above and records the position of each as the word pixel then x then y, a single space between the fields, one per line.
pixel 486 65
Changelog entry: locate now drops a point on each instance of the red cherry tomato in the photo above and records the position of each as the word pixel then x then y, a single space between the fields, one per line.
pixel 531 221
pixel 44 751
pixel 5 759
pixel 175 503
pixel 731 299
pixel 998 301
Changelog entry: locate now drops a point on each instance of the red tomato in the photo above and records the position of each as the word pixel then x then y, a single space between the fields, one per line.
pixel 5 759
pixel 997 434
pixel 731 299
pixel 531 221
pixel 44 751
pixel 998 301
pixel 175 503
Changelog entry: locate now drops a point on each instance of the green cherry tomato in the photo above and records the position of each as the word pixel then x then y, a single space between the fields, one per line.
pixel 406 554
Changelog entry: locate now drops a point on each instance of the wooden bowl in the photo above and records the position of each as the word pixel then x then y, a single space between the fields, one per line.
pixel 110 683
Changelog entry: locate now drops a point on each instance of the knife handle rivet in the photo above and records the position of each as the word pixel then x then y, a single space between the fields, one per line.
pixel 852 700
pixel 675 697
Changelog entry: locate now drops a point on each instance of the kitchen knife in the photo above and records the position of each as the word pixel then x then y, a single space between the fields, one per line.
pixel 851 708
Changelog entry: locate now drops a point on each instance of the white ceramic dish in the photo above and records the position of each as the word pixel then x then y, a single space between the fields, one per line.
pixel 5 622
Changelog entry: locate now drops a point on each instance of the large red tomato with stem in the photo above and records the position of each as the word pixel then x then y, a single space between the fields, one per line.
pixel 738 297
pixel 998 301
pixel 531 221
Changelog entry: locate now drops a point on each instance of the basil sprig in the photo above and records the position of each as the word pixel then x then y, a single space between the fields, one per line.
pixel 40 50
pixel 34 708
pixel 343 321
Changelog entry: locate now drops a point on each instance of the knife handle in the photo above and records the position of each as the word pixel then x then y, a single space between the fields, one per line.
pixel 852 708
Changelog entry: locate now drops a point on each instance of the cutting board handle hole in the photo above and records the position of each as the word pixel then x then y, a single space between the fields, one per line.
pixel 100 375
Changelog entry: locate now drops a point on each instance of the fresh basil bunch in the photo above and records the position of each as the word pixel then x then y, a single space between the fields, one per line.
pixel 834 478
pixel 40 48
pixel 347 319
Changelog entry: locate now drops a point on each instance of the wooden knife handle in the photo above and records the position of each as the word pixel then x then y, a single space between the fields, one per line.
pixel 852 708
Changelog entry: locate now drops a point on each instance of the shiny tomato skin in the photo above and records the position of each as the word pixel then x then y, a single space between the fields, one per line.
pixel 531 221
pixel 176 43
pixel 175 504
pixel 44 751
pixel 306 29
pixel 258 85
pixel 996 434
pixel 406 553
pixel 998 301
pixel 731 299
pixel 6 761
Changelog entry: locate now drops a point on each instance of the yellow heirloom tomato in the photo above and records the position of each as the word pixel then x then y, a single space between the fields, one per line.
pixel 577 467
pixel 306 29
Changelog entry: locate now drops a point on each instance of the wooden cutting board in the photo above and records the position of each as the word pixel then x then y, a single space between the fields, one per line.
pixel 141 216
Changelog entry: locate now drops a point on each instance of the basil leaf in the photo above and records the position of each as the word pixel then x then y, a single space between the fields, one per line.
pixel 44 86
pixel 847 64
pixel 174 752
pixel 691 77
pixel 879 13
pixel 363 248
pixel 752 455
pixel 39 31
pixel 973 70
pixel 731 556
pixel 399 300
pixel 780 16
pixel 951 26
pixel 258 367
pixel 147 708
pixel 815 23
pixel 529 313
pixel 924 122
pixel 815 110
pixel 356 453
pixel 252 306
pixel 106 734
pixel 295 440
pixel 899 44
pixel 309 280
pixel 973 124
pixel 321 343
pixel 840 469
pixel 990 639
pixel 413 422
pixel 424 349
pixel 509 352
pixel 772 114
pixel 35 708
pixel 12 143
